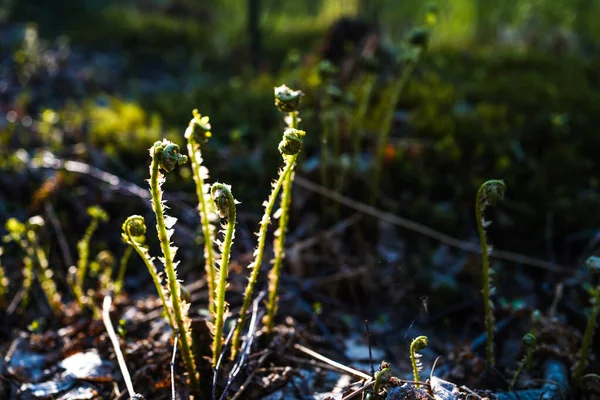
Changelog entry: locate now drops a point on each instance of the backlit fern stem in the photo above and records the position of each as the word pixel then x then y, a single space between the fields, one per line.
pixel 225 204
pixel 529 341
pixel 258 253
pixel 279 247
pixel 488 195
pixel 198 131
pixel 46 274
pixel 417 344
pixel 166 156
pixel 134 231
pixel 286 100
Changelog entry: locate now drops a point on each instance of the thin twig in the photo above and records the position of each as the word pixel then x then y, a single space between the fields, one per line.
pixel 427 231
pixel 173 397
pixel 115 343
pixel 331 362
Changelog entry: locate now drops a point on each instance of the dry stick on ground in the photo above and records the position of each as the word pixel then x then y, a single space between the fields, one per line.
pixel 427 231
pixel 115 343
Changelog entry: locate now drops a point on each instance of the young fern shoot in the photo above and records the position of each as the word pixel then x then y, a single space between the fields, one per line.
pixel 83 247
pixel 25 235
pixel 225 205
pixel 489 194
pixel 198 132
pixel 166 156
pixel 529 341
pixel 287 101
pixel 134 234
pixel 417 344
pixel 292 141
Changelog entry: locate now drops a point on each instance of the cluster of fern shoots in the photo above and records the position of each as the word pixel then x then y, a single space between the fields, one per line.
pixel 215 199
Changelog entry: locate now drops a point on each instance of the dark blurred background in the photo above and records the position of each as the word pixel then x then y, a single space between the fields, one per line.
pixel 505 89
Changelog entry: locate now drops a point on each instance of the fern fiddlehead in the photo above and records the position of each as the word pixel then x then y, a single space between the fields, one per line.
pixel 290 135
pixel 134 234
pixel 225 205
pixel 529 342
pixel 287 101
pixel 198 132
pixel 166 156
pixel 417 344
pixel 489 194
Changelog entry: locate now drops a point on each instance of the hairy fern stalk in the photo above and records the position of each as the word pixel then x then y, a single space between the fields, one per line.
pixel 166 156
pixel 286 100
pixel 488 194
pixel 225 204
pixel 198 132
pixel 134 231
pixel 417 344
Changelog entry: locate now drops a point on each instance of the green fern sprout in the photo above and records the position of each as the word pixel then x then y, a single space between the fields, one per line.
pixel 122 269
pixel 489 193
pixel 45 275
pixel 25 235
pixel 529 342
pixel 289 147
pixel 3 283
pixel 593 263
pixel 198 132
pixel 382 377
pixel 225 205
pixel 166 156
pixel 83 247
pixel 417 344
pixel 134 234
pixel 287 101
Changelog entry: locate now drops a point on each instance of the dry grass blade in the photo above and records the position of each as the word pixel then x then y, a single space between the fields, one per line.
pixel 329 361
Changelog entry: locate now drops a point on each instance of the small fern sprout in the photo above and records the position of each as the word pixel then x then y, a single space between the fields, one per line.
pixel 489 193
pixel 134 234
pixel 45 275
pixel 289 163
pixel 292 142
pixel 225 205
pixel 529 342
pixel 382 377
pixel 593 263
pixel 197 133
pixel 166 156
pixel 83 247
pixel 417 344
